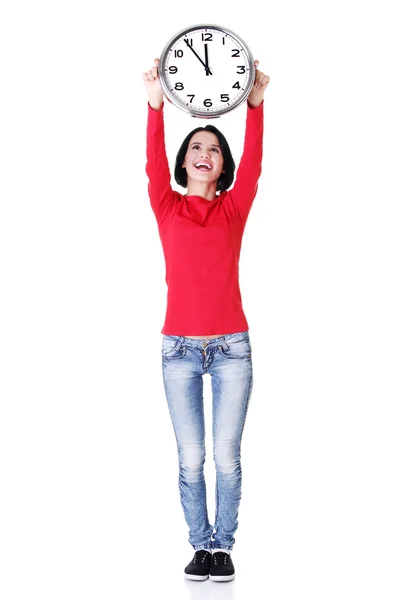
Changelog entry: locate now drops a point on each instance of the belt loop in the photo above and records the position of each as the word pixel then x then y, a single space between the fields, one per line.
pixel 224 344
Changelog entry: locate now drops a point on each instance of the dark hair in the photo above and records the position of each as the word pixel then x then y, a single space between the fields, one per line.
pixel 225 179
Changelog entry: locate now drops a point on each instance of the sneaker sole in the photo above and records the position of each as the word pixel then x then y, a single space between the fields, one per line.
pixel 222 577
pixel 196 577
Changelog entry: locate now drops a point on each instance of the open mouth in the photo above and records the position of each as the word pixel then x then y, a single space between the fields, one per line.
pixel 202 166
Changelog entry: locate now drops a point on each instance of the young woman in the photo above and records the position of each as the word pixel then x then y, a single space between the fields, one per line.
pixel 205 329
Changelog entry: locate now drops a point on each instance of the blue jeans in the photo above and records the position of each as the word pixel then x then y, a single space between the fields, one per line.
pixel 184 362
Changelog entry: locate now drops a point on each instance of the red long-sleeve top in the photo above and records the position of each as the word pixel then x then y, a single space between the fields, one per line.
pixel 201 239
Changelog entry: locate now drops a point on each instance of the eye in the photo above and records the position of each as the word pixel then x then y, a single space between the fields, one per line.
pixel 215 150
pixel 195 146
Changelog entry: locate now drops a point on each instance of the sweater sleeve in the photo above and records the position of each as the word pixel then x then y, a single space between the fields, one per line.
pixel 249 170
pixel 157 168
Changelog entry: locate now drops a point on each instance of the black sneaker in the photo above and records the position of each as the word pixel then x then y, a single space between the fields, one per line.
pixel 199 567
pixel 222 568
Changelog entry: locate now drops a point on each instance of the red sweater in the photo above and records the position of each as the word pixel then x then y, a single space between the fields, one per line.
pixel 201 239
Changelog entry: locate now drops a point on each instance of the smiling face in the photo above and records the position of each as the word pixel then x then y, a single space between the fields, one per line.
pixel 203 160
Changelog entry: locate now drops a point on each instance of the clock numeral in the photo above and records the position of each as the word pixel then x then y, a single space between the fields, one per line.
pixel 178 53
pixel 207 102
pixel 191 96
pixel 241 69
pixel 189 41
pixel 224 98
pixel 179 86
pixel 173 70
pixel 235 53
pixel 206 37
pixel 223 41
pixel 236 85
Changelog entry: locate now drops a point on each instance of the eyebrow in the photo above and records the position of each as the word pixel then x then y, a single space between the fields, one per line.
pixel 200 144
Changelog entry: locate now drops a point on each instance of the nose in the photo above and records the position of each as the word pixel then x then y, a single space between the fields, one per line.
pixel 205 153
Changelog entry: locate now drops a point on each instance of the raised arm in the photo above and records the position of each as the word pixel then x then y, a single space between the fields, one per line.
pixel 157 168
pixel 249 170
pixel 153 86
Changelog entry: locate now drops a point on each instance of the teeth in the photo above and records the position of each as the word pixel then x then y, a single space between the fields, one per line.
pixel 197 165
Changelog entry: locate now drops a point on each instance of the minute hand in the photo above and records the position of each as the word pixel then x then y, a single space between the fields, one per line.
pixel 208 72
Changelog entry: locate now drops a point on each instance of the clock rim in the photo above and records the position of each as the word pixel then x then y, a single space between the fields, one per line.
pixel 220 111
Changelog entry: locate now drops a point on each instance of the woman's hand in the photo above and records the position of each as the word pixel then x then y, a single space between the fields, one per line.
pixel 261 81
pixel 153 86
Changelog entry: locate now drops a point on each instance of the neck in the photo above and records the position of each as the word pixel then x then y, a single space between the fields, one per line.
pixel 205 190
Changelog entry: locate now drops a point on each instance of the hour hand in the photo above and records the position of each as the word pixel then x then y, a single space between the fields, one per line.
pixel 208 72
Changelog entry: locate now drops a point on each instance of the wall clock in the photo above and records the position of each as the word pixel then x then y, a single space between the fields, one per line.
pixel 206 70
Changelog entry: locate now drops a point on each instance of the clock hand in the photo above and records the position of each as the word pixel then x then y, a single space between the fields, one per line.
pixel 208 72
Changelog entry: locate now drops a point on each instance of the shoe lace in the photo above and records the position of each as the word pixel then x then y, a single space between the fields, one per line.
pixel 219 558
pixel 200 556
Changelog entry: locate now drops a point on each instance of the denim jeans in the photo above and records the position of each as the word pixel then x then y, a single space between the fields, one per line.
pixel 184 362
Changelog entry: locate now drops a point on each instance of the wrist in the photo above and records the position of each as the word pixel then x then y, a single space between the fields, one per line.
pixel 156 105
pixel 254 103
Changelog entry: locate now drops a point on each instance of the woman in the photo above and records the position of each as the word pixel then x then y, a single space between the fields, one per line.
pixel 205 328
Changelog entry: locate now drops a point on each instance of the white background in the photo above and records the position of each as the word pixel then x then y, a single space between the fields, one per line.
pixel 89 496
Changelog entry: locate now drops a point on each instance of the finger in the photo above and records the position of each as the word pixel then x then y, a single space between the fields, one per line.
pixel 258 78
pixel 154 72
pixel 256 63
pixel 264 81
pixel 259 74
pixel 149 76
pixel 156 61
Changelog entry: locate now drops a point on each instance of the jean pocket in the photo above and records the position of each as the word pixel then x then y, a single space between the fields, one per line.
pixel 171 349
pixel 237 350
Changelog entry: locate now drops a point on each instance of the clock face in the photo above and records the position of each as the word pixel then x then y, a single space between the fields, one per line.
pixel 206 70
